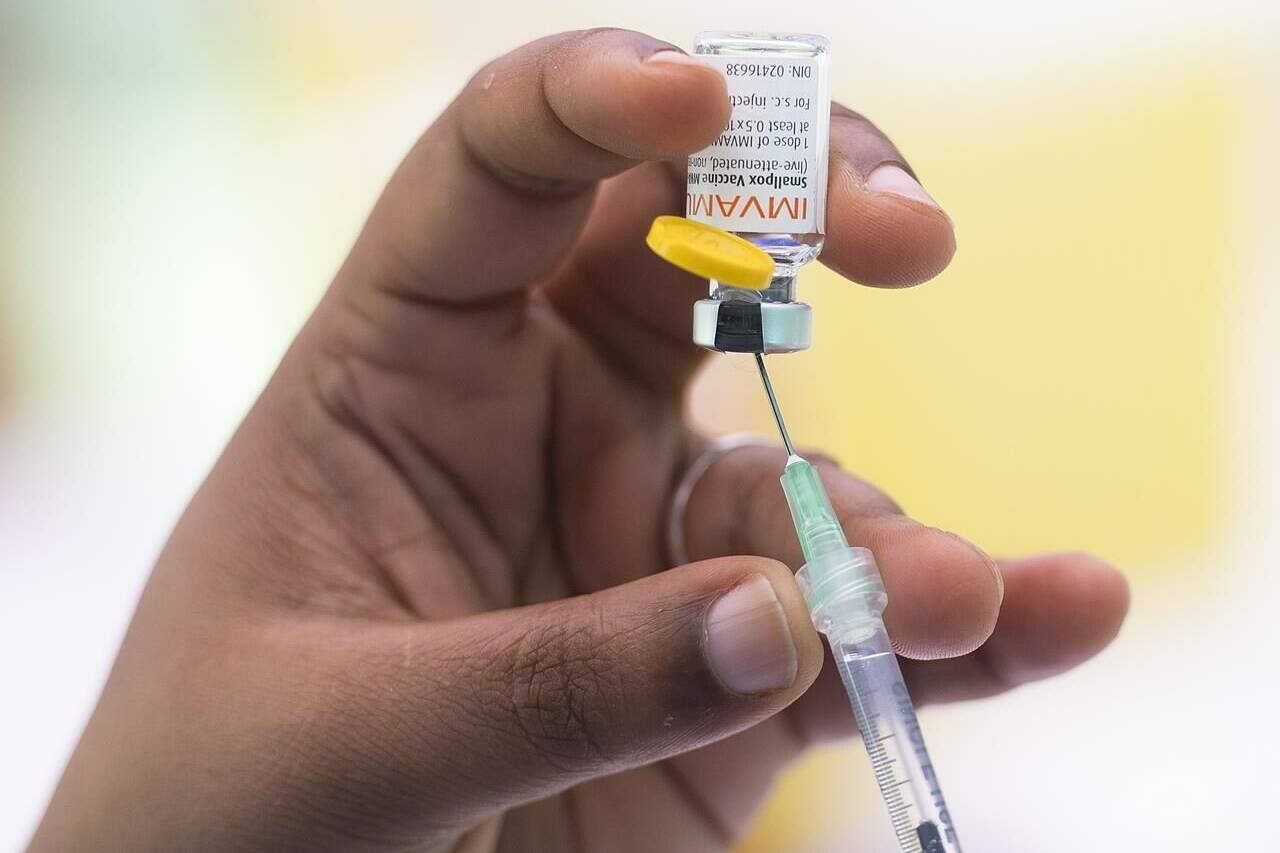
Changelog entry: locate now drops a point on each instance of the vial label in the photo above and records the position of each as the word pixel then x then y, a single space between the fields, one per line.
pixel 766 172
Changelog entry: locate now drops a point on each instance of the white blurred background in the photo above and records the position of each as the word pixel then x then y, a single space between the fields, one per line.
pixel 179 180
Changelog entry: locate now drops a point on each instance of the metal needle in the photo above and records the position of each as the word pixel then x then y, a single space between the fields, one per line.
pixel 773 402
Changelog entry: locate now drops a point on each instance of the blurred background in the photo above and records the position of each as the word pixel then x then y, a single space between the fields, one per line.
pixel 1099 369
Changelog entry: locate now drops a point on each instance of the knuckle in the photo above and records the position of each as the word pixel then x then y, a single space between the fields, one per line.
pixel 565 695
pixel 839 110
pixel 871 144
pixel 823 459
pixel 863 125
pixel 853 497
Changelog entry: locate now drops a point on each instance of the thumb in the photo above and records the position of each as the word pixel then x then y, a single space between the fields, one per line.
pixel 479 714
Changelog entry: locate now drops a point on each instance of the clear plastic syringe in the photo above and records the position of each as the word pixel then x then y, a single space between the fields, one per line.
pixel 846 598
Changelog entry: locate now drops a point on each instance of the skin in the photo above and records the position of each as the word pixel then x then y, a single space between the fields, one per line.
pixel 422 602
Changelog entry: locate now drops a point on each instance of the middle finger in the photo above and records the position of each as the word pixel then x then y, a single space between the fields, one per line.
pixel 944 592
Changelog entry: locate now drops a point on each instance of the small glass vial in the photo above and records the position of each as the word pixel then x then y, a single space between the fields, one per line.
pixel 764 179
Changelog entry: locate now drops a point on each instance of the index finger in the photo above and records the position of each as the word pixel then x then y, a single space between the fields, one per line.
pixel 494 194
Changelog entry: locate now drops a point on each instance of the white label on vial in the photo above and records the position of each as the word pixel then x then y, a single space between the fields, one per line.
pixel 760 174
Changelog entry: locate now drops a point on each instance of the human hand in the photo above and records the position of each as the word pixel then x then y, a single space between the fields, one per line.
pixel 420 603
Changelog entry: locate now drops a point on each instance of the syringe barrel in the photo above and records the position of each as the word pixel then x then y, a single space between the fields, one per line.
pixel 846 600
pixel 891 733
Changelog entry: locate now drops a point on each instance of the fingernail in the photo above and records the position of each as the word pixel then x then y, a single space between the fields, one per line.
pixel 893 179
pixel 748 640
pixel 675 57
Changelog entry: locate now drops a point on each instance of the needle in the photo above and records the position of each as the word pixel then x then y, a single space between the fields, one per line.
pixel 773 402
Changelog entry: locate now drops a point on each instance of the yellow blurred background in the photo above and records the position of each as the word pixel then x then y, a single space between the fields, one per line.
pixel 1097 370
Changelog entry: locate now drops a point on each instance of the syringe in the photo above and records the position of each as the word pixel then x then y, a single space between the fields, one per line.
pixel 846 599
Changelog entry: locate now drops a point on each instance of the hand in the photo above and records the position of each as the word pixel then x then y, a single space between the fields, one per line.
pixel 420 603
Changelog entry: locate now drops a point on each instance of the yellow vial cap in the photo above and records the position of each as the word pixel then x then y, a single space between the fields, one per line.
pixel 710 252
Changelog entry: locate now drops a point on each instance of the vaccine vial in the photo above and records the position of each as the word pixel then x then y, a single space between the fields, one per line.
pixel 765 179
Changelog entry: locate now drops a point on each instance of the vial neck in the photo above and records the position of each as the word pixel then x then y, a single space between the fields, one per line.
pixel 782 288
